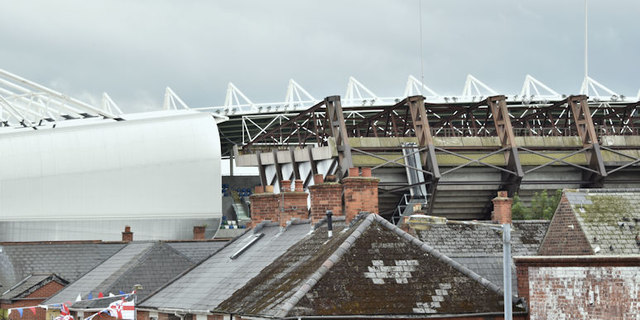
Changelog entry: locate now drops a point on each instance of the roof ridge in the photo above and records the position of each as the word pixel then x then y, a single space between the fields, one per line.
pixel 313 279
pixel 138 260
pixel 427 248
pixel 151 294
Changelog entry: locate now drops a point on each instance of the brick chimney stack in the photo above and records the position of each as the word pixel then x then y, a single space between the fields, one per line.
pixel 502 208
pixel 360 193
pixel 325 196
pixel 294 203
pixel 127 235
pixel 264 205
pixel 198 232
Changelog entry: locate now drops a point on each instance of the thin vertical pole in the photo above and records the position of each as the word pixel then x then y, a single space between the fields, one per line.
pixel 506 269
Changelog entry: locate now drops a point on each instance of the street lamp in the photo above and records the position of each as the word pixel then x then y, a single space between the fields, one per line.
pixel 424 222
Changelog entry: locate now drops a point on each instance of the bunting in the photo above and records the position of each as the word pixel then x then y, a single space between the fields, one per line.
pixel 125 308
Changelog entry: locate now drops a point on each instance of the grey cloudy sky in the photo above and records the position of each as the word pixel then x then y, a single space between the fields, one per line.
pixel 133 49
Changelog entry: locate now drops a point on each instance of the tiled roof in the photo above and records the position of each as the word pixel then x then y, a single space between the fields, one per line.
pixel 218 277
pixel 610 218
pixel 17 261
pixel 371 268
pixel 29 284
pixel 150 264
pixel 460 240
pixel 196 251
pixel 479 248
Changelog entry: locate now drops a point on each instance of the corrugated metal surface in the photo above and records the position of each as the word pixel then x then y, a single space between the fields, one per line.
pixel 159 173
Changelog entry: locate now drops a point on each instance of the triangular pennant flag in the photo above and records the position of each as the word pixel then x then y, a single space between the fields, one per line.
pixel 20 311
pixel 79 298
pixel 111 294
pixel 100 295
pixel 90 297
pixel 121 292
pixel 33 309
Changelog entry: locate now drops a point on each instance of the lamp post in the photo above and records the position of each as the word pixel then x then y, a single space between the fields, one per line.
pixel 424 222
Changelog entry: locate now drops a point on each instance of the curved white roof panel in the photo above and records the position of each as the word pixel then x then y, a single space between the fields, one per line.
pixel 85 179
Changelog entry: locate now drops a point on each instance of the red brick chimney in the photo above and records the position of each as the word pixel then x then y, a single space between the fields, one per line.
pixel 293 203
pixel 264 205
pixel 325 196
pixel 127 235
pixel 501 208
pixel 360 193
pixel 198 232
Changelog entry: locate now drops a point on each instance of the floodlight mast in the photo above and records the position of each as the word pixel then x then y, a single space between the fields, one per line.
pixel 421 222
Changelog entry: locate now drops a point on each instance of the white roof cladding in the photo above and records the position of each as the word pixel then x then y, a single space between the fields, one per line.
pixel 154 166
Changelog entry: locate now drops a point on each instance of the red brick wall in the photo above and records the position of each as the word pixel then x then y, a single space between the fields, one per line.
pixel 34 299
pixel 586 287
pixel 264 206
pixel 325 196
pixel 294 206
pixel 360 194
pixel 564 236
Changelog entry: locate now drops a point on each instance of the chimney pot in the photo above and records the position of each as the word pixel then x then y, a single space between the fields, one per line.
pixel 354 172
pixel 286 186
pixel 198 232
pixel 318 178
pixel 259 189
pixel 299 186
pixel 268 189
pixel 127 235
pixel 366 172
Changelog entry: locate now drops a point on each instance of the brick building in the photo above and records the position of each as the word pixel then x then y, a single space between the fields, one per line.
pixel 595 222
pixel 580 287
pixel 589 261
pixel 287 266
pixel 31 291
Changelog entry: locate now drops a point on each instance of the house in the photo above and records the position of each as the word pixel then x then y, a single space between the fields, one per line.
pixel 480 248
pixel 31 272
pixel 31 291
pixel 589 262
pixel 595 222
pixel 141 266
pixel 361 267
pixel 368 268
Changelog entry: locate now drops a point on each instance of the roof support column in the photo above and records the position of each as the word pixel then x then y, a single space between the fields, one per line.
pixel 425 142
pixel 587 132
pixel 339 133
pixel 504 130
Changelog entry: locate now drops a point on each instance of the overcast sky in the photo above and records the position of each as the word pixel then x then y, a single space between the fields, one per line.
pixel 134 49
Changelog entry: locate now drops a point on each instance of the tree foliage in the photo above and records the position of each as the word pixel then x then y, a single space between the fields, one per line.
pixel 543 206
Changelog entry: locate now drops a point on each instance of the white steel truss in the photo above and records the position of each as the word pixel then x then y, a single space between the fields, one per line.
pixel 415 87
pixel 475 88
pixel 533 90
pixel 24 103
pixel 593 89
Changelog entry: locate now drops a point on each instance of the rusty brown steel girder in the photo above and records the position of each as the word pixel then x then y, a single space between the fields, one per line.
pixel 504 130
pixel 422 131
pixel 339 133
pixel 587 132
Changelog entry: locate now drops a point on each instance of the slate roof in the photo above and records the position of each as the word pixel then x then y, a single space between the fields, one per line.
pixel 196 251
pixel 19 260
pixel 610 219
pixel 479 248
pixel 218 277
pixel 28 285
pixel 371 268
pixel 150 264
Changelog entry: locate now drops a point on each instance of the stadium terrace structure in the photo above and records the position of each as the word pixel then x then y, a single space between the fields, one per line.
pixel 450 154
